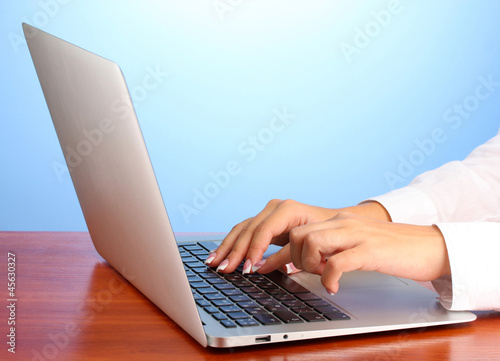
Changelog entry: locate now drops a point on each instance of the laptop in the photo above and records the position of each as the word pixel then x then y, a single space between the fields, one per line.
pixel 107 158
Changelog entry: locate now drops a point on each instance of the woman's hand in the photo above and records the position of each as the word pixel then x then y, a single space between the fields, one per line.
pixel 350 242
pixel 251 238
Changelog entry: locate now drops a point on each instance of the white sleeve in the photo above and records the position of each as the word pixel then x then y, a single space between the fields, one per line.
pixel 473 250
pixel 463 200
pixel 466 191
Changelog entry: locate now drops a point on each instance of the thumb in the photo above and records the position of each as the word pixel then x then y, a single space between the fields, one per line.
pixel 275 261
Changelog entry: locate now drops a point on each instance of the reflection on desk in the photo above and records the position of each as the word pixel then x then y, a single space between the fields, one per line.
pixel 71 305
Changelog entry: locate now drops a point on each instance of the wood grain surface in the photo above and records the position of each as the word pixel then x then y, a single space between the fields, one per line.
pixel 71 305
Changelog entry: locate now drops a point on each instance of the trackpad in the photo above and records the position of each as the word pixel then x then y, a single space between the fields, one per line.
pixel 361 279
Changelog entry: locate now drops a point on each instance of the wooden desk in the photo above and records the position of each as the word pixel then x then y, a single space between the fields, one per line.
pixel 71 305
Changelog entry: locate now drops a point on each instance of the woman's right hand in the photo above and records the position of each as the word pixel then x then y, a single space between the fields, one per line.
pixel 251 238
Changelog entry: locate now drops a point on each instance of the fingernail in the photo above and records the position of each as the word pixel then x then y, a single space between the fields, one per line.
pixel 223 265
pixel 210 258
pixel 330 292
pixel 247 267
pixel 290 268
pixel 258 265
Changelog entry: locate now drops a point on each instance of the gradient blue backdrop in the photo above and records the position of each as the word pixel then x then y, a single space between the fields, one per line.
pixel 368 83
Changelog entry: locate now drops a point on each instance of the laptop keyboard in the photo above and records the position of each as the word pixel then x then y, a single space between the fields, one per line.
pixel 237 300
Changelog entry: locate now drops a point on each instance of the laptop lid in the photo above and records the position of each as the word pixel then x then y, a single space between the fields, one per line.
pixel 109 165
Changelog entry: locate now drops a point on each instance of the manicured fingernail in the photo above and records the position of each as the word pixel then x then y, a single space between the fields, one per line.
pixel 210 258
pixel 247 267
pixel 290 268
pixel 223 265
pixel 258 265
pixel 330 292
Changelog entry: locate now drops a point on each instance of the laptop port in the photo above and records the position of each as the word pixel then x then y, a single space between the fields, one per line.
pixel 263 339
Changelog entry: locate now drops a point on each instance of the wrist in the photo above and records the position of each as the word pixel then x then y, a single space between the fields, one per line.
pixel 370 209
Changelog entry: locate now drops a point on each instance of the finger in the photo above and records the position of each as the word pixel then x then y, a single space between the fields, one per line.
pixel 310 243
pixel 275 227
pixel 241 239
pixel 218 255
pixel 274 261
pixel 350 260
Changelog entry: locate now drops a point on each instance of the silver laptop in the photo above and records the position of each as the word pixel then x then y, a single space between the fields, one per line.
pixel 109 164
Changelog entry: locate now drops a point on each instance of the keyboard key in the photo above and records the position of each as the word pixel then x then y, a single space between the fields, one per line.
pixel 275 307
pixel 246 322
pixel 251 289
pixel 200 253
pixel 219 316
pixel 307 296
pixel 280 296
pixel 232 308
pixel 199 269
pixel 191 247
pixel 312 317
pixel 201 284
pixel 228 323
pixel 206 290
pixel 258 295
pixel 239 298
pixel 326 309
pixel 214 296
pixel 238 315
pixel 211 309
pixel 266 319
pixel 334 316
pixel 247 304
pixel 288 317
pixel 267 285
pixel 302 310
pixel 232 277
pixel 208 275
pixel 224 286
pixel 293 303
pixel 242 283
pixel 255 310
pixel 194 279
pixel 233 292
pixel 267 301
pixel 286 282
pixel 222 302
pixel 215 280
pixel 256 278
pixel 318 303
pixel 203 303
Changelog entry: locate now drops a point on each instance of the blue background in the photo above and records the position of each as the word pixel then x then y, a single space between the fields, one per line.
pixel 365 81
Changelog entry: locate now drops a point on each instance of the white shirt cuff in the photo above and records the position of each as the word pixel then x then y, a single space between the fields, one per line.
pixel 473 250
pixel 408 205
